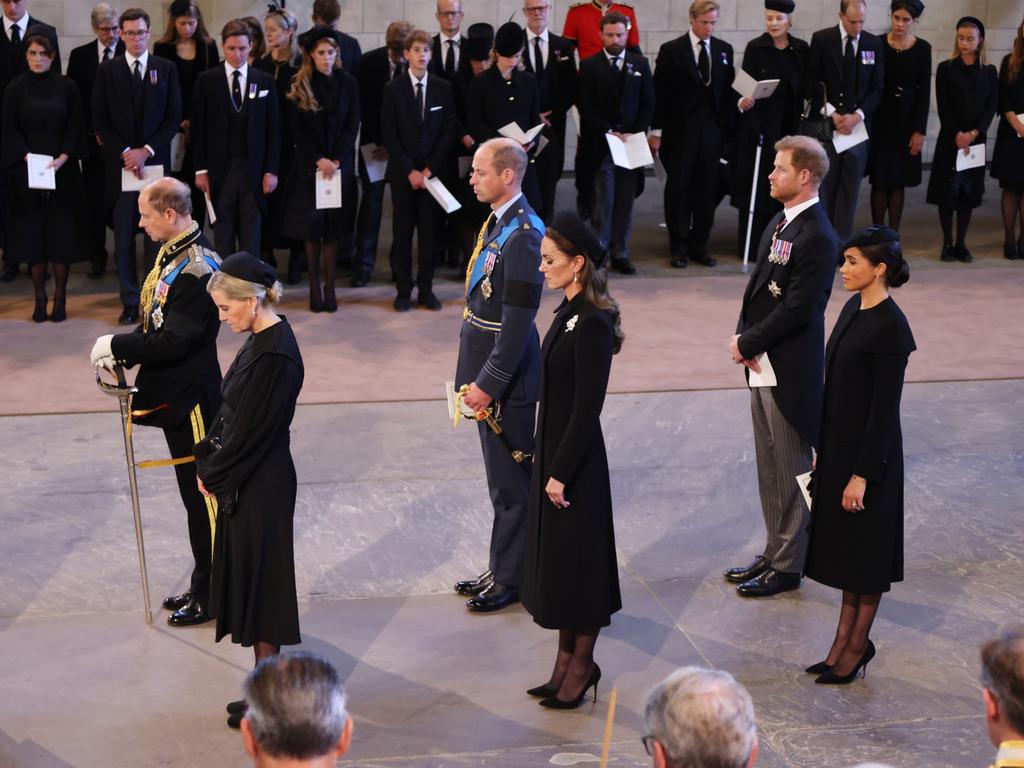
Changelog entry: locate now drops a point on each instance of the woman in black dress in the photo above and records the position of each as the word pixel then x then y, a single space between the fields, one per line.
pixel 187 43
pixel 965 91
pixel 775 55
pixel 570 580
pixel 42 114
pixel 245 462
pixel 505 93
pixel 323 113
pixel 856 541
pixel 901 120
pixel 1008 157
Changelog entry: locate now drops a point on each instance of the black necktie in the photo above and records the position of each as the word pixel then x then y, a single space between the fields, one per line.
pixel 419 100
pixel 449 58
pixel 849 71
pixel 397 72
pixel 704 63
pixel 137 75
pixel 615 63
pixel 538 57
pixel 106 54
pixel 236 90
pixel 15 35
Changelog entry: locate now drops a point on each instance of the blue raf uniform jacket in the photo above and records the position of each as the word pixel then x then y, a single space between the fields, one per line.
pixel 498 347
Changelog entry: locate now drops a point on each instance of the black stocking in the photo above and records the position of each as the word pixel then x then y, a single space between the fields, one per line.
pixel 566 644
pixel 60 281
pixel 263 650
pixel 946 222
pixel 316 301
pixel 879 205
pixel 866 608
pixel 38 272
pixel 581 664
pixel 963 221
pixel 330 264
pixel 1012 205
pixel 895 207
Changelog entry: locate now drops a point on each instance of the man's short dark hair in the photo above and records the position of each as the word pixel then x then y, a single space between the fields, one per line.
pixel 296 705
pixel 417 36
pixel 614 17
pixel 1002 672
pixel 327 11
pixel 235 28
pixel 134 14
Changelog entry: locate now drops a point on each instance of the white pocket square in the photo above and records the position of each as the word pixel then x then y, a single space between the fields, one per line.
pixel 264 94
pixel 434 109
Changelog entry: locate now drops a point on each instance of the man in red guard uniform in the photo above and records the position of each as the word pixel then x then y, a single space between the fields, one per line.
pixel 583 26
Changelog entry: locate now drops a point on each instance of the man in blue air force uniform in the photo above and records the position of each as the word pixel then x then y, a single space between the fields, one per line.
pixel 499 358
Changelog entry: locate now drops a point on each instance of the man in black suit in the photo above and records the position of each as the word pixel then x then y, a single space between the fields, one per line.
pixel 235 139
pixel 136 110
pixel 446 57
pixel 783 320
pixel 16 22
pixel 379 67
pixel 694 115
pixel 849 63
pixel 326 14
pixel 550 58
pixel 616 96
pixel 83 63
pixel 418 127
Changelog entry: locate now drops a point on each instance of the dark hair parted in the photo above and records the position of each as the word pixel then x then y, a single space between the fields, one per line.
pixel 36 36
pixel 614 17
pixel 594 282
pixel 134 14
pixel 187 8
pixel 326 12
pixel 897 271
pixel 256 38
pixel 235 28
pixel 1002 672
pixel 910 6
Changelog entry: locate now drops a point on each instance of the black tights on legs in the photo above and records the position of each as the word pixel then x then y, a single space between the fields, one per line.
pixel 963 221
pixel 38 272
pixel 855 619
pixel 574 662
pixel 1013 208
pixel 262 650
pixel 316 301
pixel 885 200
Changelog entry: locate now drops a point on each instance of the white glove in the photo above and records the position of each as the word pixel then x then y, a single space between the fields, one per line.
pixel 102 356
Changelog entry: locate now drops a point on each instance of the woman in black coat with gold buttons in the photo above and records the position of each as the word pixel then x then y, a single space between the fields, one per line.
pixel 856 541
pixel 570 580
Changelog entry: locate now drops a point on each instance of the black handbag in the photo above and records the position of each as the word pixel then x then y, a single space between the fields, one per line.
pixel 813 123
pixel 209 445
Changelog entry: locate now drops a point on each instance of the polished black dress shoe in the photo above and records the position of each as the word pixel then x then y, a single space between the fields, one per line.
pixel 818 669
pixel 948 254
pixel 703 258
pixel 624 266
pixel 237 707
pixel 129 315
pixel 429 300
pixel 494 598
pixel 174 602
pixel 962 254
pixel 1010 251
pixel 771 582
pixel 831 678
pixel 188 615
pixel 402 304
pixel 747 572
pixel 235 720
pixel 542 691
pixel 475 586
pixel 554 702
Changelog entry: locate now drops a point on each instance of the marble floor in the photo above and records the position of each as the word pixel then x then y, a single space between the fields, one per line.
pixel 392 509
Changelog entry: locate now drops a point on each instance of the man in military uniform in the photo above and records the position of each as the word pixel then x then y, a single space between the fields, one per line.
pixel 499 358
pixel 179 376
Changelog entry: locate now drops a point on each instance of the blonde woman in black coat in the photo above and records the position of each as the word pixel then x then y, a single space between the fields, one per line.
pixel 571 579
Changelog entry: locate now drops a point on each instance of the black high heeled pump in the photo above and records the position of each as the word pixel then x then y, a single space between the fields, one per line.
pixel 553 702
pixel 831 678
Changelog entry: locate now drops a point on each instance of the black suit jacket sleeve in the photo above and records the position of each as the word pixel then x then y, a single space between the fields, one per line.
pixel 198 118
pixel 272 141
pixel 171 124
pixel 922 93
pixel 883 422
pixel 647 105
pixel 591 93
pixel 102 111
pixel 439 159
pixel 876 72
pixel 389 121
pixel 476 119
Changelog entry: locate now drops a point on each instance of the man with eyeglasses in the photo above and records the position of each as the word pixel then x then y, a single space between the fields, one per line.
pixel 136 111
pixel 83 63
pixel 16 22
pixel 549 57
pixel 447 59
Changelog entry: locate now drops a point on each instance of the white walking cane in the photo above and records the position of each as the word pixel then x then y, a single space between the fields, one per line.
pixel 753 202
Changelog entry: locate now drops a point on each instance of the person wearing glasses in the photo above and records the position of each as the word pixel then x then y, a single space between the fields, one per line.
pixel 136 111
pixel 83 63
pixel 446 59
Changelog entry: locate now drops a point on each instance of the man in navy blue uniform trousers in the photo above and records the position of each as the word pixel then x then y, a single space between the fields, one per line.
pixel 499 358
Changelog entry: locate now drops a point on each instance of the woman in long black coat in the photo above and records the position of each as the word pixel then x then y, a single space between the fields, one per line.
pixel 856 541
pixel 246 463
pixel 1008 157
pixel 323 116
pixel 966 89
pixel 43 115
pixel 901 120
pixel 570 574
pixel 774 55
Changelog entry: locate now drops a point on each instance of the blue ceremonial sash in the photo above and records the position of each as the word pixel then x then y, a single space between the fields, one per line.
pixel 496 245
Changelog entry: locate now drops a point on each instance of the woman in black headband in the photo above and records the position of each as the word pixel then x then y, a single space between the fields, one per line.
pixel 856 541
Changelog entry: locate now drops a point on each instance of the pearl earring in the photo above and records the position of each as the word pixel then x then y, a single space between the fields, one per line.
pixel 575 277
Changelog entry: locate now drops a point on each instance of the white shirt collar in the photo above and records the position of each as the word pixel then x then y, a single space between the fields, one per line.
pixel 143 60
pixel 501 211
pixel 21 24
pixel 695 42
pixel 244 69
pixel 100 47
pixel 415 80
pixel 621 57
pixel 455 39
pixel 543 36
pixel 796 210
pixel 843 36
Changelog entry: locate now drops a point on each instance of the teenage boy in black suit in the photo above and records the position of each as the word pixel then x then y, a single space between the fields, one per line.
pixel 694 115
pixel 418 126
pixel 236 137
pixel 136 111
pixel 616 96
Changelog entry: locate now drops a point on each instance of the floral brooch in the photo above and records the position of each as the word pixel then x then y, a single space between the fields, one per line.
pixel 570 324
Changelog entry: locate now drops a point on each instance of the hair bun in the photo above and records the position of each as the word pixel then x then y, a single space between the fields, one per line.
pixel 900 275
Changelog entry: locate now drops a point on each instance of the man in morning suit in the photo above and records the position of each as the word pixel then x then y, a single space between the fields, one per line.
pixel 136 111
pixel 418 127
pixel 83 63
pixel 693 118
pixel 849 62
pixel 616 96
pixel 379 67
pixel 550 58
pixel 783 317
pixel 178 381
pixel 499 358
pixel 16 22
pixel 235 139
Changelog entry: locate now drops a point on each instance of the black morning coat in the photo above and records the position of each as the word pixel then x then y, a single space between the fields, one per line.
pixel 783 314
pixel 114 115
pixel 83 64
pixel 557 83
pixel 374 74
pixel 613 100
pixel 414 144
pixel 825 65
pixel 210 127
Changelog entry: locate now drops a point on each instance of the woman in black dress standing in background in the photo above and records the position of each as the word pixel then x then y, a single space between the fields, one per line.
pixel 43 115
pixel 856 541
pixel 323 112
pixel 965 91
pixel 1008 158
pixel 245 461
pixel 775 55
pixel 571 580
pixel 901 120
pixel 187 43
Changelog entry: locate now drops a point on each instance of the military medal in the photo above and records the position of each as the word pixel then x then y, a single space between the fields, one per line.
pixel 158 317
pixel 781 251
pixel 774 290
pixel 252 90
pixel 867 57
pixel 152 76
pixel 492 258
pixel 485 288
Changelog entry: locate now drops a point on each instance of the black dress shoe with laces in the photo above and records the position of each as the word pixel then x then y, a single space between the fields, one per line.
pixel 174 602
pixel 771 582
pixel 747 572
pixel 190 614
pixel 429 300
pixel 471 587
pixel 494 598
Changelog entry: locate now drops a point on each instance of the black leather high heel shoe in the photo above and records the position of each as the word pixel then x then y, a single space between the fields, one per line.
pixel 542 691
pixel 818 669
pixel 39 313
pixel 553 702
pixel 831 678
